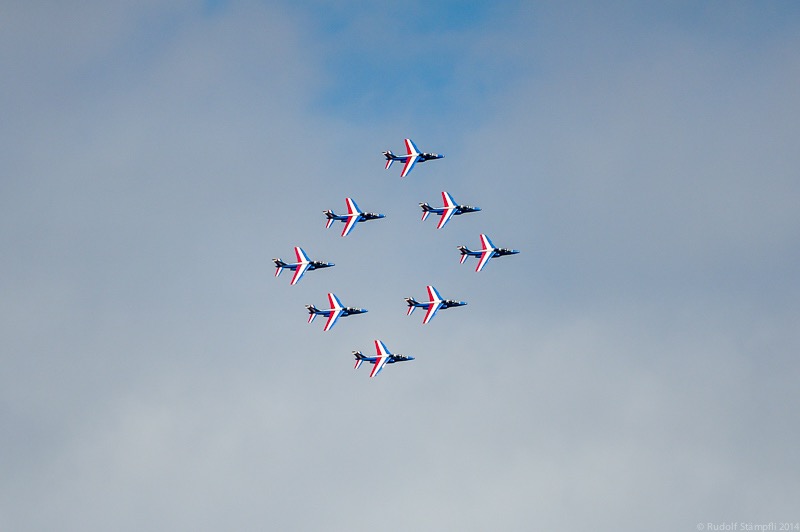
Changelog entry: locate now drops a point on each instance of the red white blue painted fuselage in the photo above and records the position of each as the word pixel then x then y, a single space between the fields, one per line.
pixel 411 157
pixel 450 209
pixel 336 311
pixel 433 305
pixel 487 251
pixel 353 216
pixel 383 357
pixel 300 267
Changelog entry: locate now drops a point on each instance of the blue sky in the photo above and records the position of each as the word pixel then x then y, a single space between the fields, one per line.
pixel 635 365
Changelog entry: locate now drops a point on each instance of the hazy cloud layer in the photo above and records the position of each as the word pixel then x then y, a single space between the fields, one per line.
pixel 635 366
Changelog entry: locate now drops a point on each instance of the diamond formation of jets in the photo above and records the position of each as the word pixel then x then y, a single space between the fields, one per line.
pixel 336 311
pixel 487 251
pixel 412 157
pixel 383 357
pixel 434 303
pixel 450 209
pixel 353 216
pixel 300 267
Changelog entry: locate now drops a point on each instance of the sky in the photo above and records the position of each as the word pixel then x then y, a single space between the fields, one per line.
pixel 635 366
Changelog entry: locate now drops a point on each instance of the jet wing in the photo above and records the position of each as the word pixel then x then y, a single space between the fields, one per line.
pixel 332 317
pixel 484 258
pixel 410 162
pixel 446 215
pixel 448 199
pixel 432 308
pixel 351 222
pixel 380 361
pixel 334 301
pixel 301 255
pixel 382 358
pixel 411 148
pixel 486 243
pixel 352 206
pixel 299 271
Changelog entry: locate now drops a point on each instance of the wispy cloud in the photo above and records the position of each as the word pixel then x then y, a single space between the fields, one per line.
pixel 635 360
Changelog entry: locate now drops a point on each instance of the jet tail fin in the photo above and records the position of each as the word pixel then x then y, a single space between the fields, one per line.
pixel 280 265
pixel 331 217
pixel 465 252
pixel 412 304
pixel 426 210
pixel 359 359
pixel 389 158
pixel 312 312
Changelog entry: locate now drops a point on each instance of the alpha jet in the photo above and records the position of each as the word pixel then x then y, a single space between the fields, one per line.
pixel 336 311
pixel 487 251
pixel 383 357
pixel 435 303
pixel 353 216
pixel 412 157
pixel 300 267
pixel 450 209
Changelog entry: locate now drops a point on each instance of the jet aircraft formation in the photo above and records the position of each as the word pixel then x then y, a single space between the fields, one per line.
pixel 355 215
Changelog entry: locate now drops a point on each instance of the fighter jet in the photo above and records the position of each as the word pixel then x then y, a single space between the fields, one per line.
pixel 412 156
pixel 435 303
pixel 487 252
pixel 353 216
pixel 450 209
pixel 334 313
pixel 383 357
pixel 300 267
